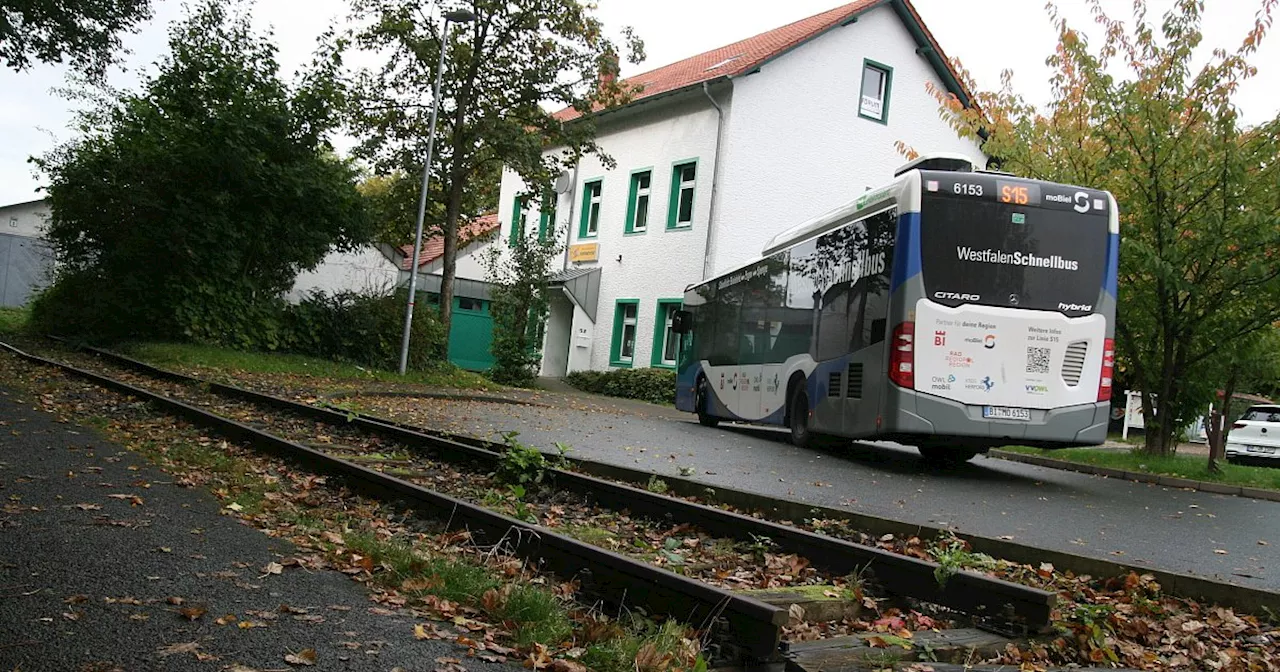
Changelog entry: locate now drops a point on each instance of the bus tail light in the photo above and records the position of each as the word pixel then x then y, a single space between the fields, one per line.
pixel 1108 369
pixel 902 355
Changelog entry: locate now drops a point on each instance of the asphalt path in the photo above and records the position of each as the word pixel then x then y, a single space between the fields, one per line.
pixel 1227 538
pixel 89 581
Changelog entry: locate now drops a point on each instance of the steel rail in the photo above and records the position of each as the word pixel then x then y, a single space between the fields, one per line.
pixel 1001 604
pixel 752 626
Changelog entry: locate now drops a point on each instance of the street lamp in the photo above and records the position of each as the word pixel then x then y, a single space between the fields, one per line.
pixel 455 16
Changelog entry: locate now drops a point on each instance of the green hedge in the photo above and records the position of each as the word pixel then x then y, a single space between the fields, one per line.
pixel 363 329
pixel 657 386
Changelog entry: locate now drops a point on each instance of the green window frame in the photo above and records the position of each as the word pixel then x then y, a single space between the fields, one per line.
pixel 882 86
pixel 626 317
pixel 548 217
pixel 664 339
pixel 639 201
pixel 684 186
pixel 592 195
pixel 518 220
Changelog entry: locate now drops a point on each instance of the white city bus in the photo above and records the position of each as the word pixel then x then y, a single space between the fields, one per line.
pixel 953 309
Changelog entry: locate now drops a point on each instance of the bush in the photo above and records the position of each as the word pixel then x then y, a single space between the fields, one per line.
pixel 363 329
pixel 656 386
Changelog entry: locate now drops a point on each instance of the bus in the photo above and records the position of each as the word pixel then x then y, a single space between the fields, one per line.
pixel 954 310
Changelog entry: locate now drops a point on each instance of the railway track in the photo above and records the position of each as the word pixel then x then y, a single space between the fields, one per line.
pixel 410 457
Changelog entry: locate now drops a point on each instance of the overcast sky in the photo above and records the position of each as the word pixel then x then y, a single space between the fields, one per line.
pixel 987 35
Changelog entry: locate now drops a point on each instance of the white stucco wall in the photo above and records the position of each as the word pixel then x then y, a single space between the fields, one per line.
pixel 24 219
pixel 363 270
pixel 657 264
pixel 469 265
pixel 796 147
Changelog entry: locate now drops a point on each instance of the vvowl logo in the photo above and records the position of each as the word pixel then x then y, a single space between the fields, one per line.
pixel 989 342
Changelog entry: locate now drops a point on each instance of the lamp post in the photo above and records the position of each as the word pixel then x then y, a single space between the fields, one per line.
pixel 455 16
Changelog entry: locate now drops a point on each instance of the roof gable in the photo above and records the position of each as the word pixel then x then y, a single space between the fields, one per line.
pixel 745 56
pixel 433 247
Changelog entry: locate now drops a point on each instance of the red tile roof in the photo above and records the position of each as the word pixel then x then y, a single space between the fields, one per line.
pixel 433 247
pixel 738 58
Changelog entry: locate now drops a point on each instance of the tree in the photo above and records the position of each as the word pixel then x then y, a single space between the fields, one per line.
pixel 515 58
pixel 520 274
pixel 185 210
pixel 87 32
pixel 1253 365
pixel 1197 190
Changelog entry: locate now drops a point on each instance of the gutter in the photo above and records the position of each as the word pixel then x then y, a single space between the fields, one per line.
pixel 715 177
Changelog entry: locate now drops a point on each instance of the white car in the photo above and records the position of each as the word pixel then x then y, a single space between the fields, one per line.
pixel 1256 434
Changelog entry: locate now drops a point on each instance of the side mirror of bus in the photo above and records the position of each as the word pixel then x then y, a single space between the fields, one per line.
pixel 682 322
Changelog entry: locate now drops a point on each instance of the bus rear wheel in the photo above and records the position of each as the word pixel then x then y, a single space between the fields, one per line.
pixel 798 410
pixel 700 403
pixel 946 455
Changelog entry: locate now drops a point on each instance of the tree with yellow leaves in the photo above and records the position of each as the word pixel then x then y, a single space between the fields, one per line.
pixel 1199 191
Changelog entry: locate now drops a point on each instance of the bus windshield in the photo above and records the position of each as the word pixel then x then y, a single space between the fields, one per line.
pixel 1016 256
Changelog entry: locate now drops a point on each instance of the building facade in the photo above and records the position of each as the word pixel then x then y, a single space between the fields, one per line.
pixel 718 153
pixel 26 260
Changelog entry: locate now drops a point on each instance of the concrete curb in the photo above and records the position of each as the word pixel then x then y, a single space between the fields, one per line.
pixel 1139 477
pixel 491 399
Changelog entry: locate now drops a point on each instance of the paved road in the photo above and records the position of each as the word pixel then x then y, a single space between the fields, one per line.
pixel 1146 525
pixel 66 571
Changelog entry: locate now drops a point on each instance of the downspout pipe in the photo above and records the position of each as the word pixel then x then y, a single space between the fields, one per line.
pixel 715 176
pixel 573 205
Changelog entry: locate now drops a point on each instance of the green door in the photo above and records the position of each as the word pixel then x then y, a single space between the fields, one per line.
pixel 471 334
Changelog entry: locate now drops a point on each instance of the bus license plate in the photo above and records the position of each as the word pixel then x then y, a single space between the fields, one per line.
pixel 1260 449
pixel 1005 413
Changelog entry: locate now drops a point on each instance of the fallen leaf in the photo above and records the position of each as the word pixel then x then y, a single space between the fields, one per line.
pixel 193 613
pixel 272 568
pixel 1220 551
pixel 72 615
pixel 133 500
pixel 76 599
pixel 175 649
pixel 175 601
pixel 562 665
pixel 1263 543
pixel 89 507
pixel 226 620
pixel 305 657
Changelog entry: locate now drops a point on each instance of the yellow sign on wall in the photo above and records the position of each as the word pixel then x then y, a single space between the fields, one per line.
pixel 584 252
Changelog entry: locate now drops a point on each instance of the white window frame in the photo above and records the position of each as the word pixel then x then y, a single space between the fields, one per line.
pixel 640 215
pixel 631 322
pixel 876 106
pixel 670 337
pixel 593 215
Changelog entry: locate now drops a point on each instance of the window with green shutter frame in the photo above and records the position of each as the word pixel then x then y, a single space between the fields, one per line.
pixel 589 225
pixel 684 183
pixel 666 342
pixel 877 85
pixel 518 220
pixel 626 324
pixel 638 201
pixel 547 220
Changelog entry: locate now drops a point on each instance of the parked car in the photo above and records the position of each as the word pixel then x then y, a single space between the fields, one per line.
pixel 1256 434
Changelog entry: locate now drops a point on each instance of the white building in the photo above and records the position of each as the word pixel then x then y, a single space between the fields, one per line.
pixel 26 260
pixel 718 153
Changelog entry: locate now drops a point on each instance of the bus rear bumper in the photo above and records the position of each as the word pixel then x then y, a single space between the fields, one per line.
pixel 924 417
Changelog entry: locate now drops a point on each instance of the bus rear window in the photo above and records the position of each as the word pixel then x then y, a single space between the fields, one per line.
pixel 998 254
